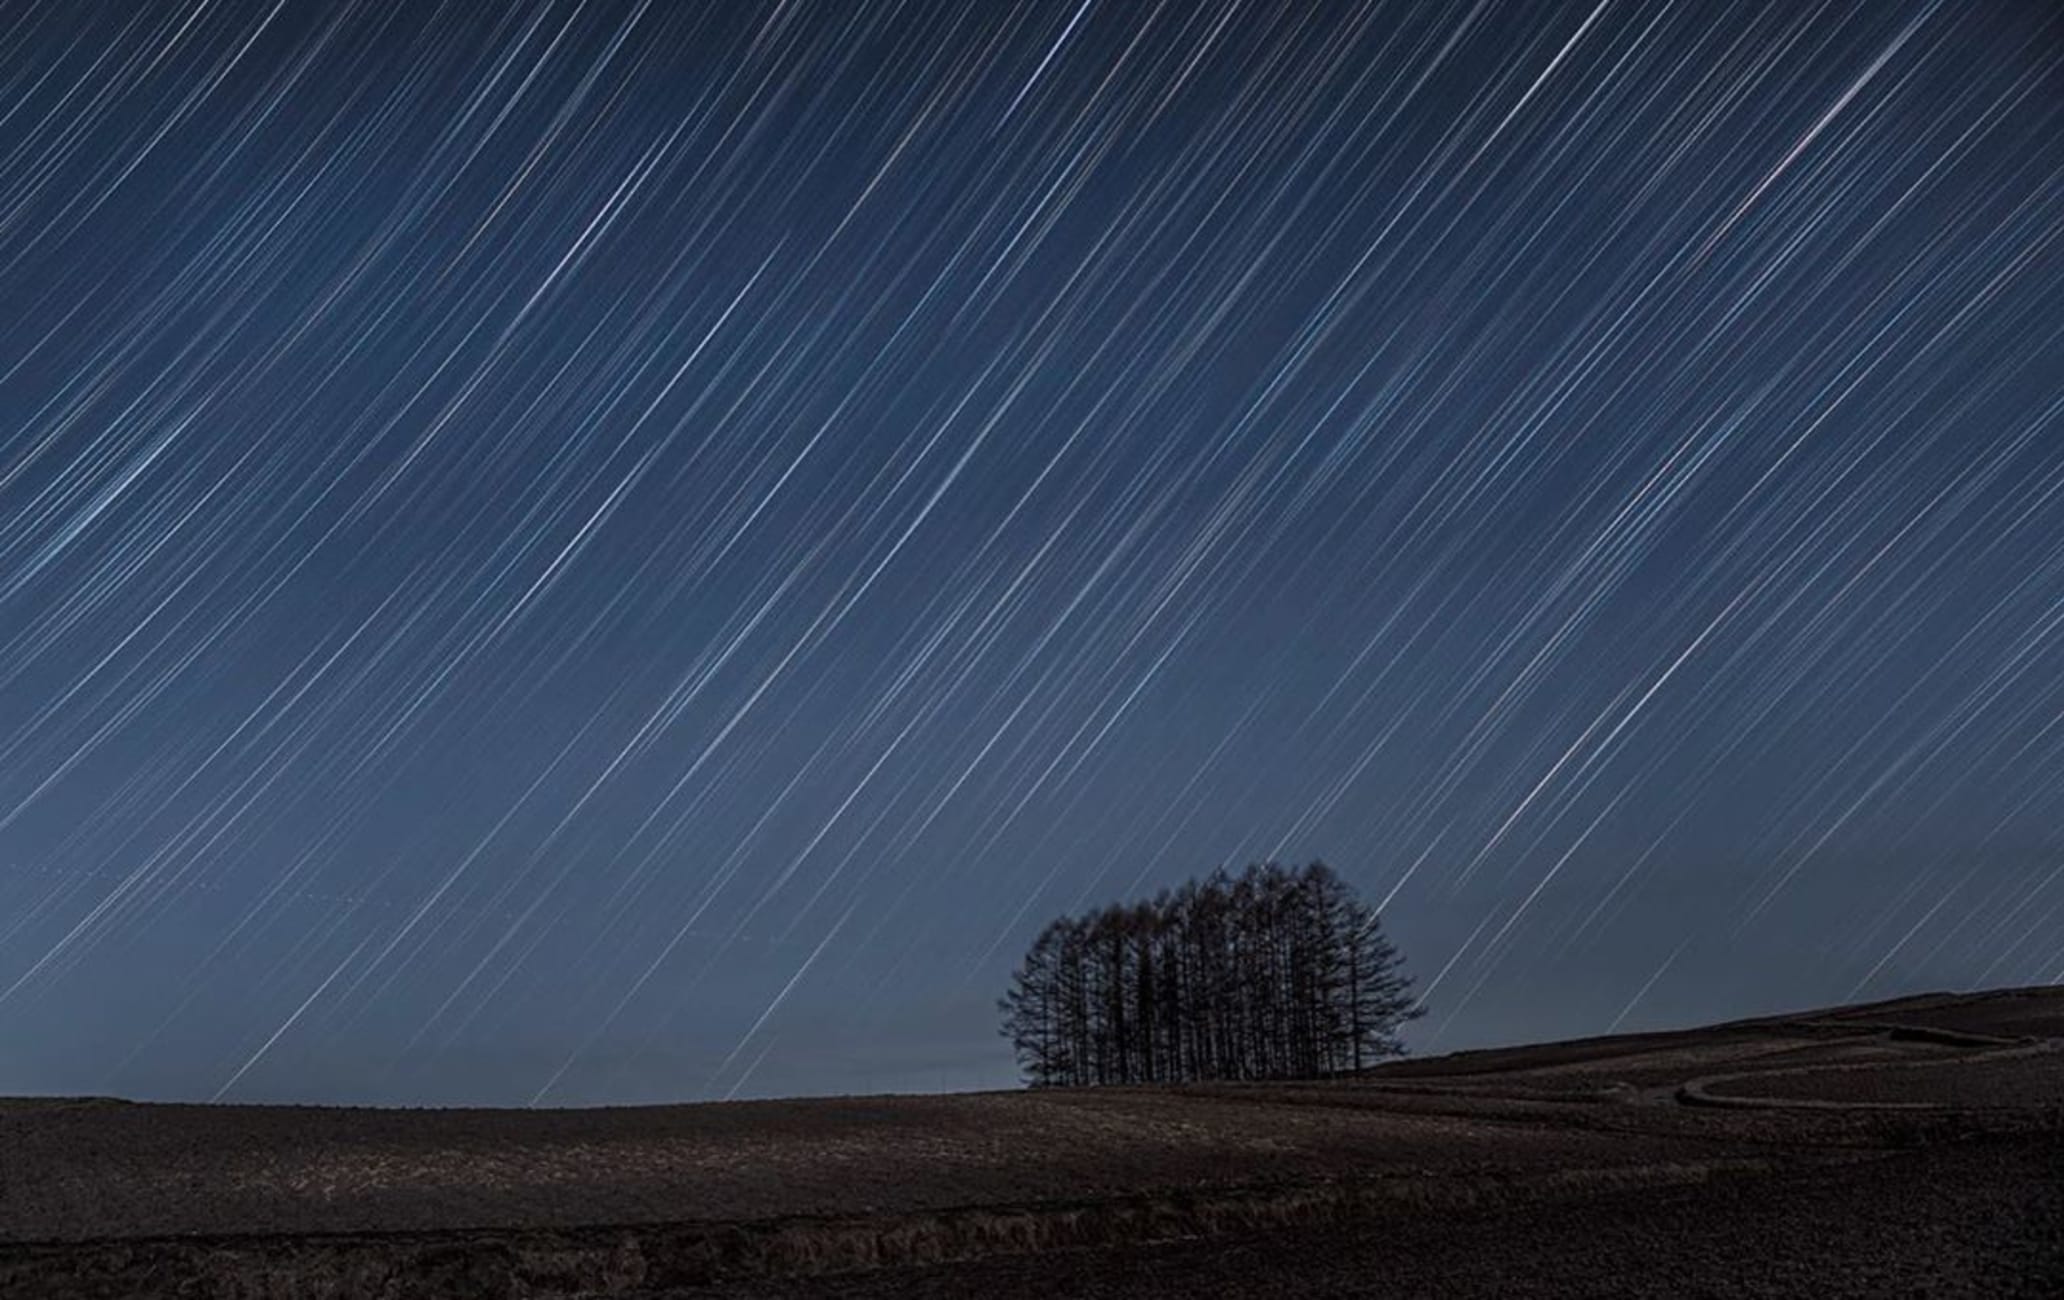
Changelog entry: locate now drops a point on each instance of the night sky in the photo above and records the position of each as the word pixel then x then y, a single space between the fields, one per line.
pixel 603 552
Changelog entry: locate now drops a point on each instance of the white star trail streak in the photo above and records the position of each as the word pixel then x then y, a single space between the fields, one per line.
pixel 566 552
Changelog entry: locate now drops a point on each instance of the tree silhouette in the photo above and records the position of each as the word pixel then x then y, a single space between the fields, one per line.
pixel 1271 974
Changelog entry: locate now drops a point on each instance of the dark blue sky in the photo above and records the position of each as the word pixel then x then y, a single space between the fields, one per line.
pixel 614 551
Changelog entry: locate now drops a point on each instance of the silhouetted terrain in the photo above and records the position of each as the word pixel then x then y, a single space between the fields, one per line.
pixel 1914 1146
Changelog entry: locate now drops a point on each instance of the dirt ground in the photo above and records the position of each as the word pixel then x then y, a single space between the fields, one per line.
pixel 1914 1147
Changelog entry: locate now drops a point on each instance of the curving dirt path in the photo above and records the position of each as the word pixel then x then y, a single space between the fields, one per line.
pixel 1986 1050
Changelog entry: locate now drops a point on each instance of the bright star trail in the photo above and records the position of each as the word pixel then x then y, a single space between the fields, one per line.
pixel 613 551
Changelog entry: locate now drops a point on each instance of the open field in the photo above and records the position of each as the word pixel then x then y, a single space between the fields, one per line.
pixel 1905 1147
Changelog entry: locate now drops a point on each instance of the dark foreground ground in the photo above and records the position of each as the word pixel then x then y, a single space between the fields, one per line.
pixel 1904 1148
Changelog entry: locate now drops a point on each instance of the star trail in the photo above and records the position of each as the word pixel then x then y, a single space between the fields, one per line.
pixel 585 552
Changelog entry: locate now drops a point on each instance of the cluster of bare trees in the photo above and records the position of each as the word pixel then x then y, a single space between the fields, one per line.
pixel 1271 974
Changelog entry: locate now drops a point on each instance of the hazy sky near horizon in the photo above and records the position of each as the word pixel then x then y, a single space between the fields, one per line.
pixel 611 551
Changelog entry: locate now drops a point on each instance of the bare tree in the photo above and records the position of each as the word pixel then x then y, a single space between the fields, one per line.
pixel 1269 974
